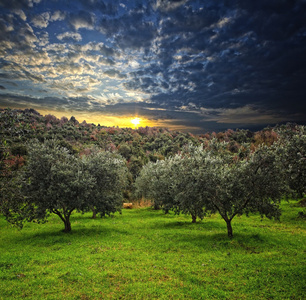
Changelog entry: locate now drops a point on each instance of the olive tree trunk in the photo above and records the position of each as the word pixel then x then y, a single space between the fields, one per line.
pixel 229 228
pixel 194 218
pixel 67 225
pixel 65 217
pixel 94 213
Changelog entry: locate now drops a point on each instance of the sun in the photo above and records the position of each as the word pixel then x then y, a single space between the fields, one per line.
pixel 135 121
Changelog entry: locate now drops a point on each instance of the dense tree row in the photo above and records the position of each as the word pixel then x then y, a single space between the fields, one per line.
pixel 212 179
pixel 72 166
pixel 146 143
pixel 208 181
pixel 55 181
pixel 137 146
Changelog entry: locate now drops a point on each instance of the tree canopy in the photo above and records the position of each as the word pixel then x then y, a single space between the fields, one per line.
pixel 55 181
pixel 75 166
pixel 216 181
pixel 292 145
pixel 110 174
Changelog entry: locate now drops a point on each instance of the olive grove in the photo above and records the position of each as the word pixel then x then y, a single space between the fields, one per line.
pixel 214 180
pixel 54 181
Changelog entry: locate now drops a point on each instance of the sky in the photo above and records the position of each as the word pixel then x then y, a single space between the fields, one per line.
pixel 195 66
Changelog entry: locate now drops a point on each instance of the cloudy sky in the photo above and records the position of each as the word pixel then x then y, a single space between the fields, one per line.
pixel 188 65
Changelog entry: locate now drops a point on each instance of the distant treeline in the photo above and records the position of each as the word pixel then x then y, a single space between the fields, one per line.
pixel 50 165
pixel 137 146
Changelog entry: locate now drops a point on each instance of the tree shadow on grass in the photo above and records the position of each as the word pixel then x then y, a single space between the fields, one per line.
pixel 212 235
pixel 52 237
pixel 247 242
pixel 88 216
pixel 205 224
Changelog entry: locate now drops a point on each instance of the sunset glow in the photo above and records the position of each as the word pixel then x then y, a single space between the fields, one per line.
pixel 188 65
pixel 135 122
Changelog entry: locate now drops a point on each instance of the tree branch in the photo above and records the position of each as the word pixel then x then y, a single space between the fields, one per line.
pixel 55 211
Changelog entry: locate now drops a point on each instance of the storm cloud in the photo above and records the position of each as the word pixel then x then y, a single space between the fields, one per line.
pixel 198 64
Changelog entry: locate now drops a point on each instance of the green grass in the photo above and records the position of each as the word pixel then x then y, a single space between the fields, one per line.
pixel 145 254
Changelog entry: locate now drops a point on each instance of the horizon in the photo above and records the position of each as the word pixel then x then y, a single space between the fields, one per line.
pixel 142 125
pixel 191 66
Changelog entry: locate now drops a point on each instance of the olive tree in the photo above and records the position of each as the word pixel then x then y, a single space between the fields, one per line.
pixel 172 185
pixel 56 182
pixel 110 173
pixel 235 186
pixel 53 181
pixel 215 180
pixel 156 182
pixel 292 148
pixel 190 198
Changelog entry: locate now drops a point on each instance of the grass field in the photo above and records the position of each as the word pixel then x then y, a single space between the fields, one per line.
pixel 145 254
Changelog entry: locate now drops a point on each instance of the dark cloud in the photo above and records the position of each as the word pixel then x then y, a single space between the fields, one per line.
pixel 114 73
pixel 232 55
pixel 106 51
pixel 102 6
pixel 132 30
pixel 82 19
pixel 106 61
pixel 17 4
pixel 187 20
pixel 231 59
pixel 15 35
pixel 50 102
pixel 22 74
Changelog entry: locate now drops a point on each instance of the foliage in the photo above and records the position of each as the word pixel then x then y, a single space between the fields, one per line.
pixel 4 154
pixel 3 170
pixel 19 149
pixel 144 143
pixel 110 173
pixel 152 144
pixel 292 147
pixel 239 186
pixel 55 181
pixel 9 165
pixel 213 179
pixel 157 182
pixel 18 126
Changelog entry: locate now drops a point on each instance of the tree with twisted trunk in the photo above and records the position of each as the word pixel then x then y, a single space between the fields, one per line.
pixel 56 182
pixel 215 180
